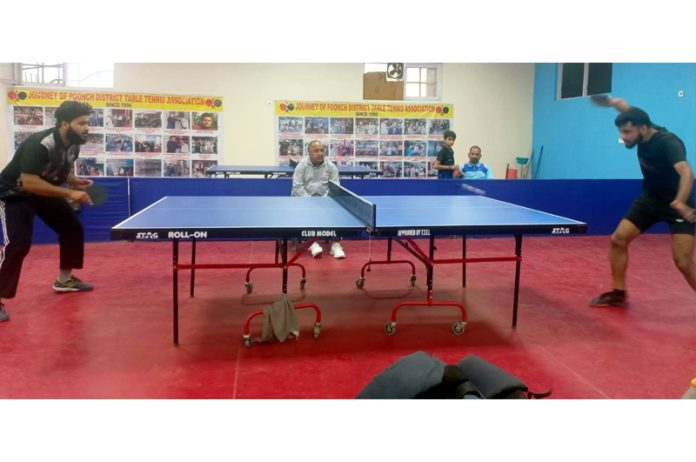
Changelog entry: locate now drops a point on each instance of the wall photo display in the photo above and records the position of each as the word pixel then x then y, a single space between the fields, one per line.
pixel 131 134
pixel 399 139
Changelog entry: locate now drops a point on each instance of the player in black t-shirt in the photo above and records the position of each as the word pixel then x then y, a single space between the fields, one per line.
pixel 33 184
pixel 444 164
pixel 667 196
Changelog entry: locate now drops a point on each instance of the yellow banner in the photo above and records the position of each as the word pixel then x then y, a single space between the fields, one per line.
pixel 341 109
pixel 20 96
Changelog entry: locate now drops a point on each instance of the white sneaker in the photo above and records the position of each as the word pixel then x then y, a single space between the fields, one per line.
pixel 315 249
pixel 337 251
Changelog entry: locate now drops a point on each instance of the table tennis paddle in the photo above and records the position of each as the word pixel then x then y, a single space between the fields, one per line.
pixel 97 193
pixel 601 100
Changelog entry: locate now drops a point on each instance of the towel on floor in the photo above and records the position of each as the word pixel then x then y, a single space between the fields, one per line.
pixel 279 321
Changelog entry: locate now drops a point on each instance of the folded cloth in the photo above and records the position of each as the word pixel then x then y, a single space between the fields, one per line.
pixel 279 321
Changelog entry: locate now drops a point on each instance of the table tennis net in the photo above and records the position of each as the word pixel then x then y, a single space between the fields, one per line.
pixel 362 209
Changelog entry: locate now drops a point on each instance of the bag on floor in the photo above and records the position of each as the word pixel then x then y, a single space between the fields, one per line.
pixel 494 382
pixel 422 376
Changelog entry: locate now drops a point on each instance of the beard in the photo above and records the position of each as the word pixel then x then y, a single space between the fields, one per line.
pixel 76 138
pixel 638 141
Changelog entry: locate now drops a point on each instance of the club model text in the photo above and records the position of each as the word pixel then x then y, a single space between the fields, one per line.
pixel 318 233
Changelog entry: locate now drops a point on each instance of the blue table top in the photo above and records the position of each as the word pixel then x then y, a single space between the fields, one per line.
pixel 218 217
pixel 464 215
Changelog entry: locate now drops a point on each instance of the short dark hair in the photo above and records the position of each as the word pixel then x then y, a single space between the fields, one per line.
pixel 449 134
pixel 71 110
pixel 635 116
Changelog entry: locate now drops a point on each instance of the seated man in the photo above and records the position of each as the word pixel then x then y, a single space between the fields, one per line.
pixel 474 169
pixel 311 178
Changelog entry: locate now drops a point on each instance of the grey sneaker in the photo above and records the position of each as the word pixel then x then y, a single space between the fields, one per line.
pixel 72 285
pixel 3 314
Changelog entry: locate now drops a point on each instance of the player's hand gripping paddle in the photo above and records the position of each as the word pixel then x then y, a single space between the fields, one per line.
pixel 601 100
pixel 97 193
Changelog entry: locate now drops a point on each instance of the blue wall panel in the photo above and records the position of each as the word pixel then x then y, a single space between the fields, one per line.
pixel 97 221
pixel 599 203
pixel 581 141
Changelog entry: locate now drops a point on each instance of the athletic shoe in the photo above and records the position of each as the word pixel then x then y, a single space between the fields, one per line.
pixel 608 299
pixel 337 251
pixel 315 249
pixel 72 285
pixel 3 314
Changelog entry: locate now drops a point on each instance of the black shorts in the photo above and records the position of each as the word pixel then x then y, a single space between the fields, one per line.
pixel 646 211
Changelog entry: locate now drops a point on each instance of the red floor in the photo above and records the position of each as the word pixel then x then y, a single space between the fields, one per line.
pixel 116 342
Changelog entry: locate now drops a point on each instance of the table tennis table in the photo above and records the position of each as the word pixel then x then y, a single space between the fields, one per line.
pixel 342 214
pixel 270 171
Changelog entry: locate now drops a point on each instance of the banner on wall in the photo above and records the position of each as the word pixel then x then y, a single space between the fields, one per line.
pixel 131 134
pixel 399 139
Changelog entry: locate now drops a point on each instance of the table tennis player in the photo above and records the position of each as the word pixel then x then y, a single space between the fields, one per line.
pixel 34 183
pixel 667 196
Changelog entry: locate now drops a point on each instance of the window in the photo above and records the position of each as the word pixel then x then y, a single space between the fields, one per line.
pixel 421 81
pixel 90 75
pixel 79 75
pixel 42 73
pixel 583 79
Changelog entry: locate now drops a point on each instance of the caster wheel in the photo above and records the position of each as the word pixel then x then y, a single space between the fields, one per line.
pixel 390 328
pixel 360 283
pixel 413 280
pixel 317 330
pixel 247 342
pixel 458 327
pixel 249 287
pixel 303 281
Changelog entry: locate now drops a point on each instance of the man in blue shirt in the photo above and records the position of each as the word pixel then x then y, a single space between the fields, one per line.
pixel 474 169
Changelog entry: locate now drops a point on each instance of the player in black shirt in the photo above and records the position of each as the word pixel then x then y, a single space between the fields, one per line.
pixel 667 196
pixel 444 164
pixel 33 184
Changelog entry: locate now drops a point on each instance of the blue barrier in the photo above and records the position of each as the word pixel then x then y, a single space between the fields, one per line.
pixel 599 203
pixel 97 221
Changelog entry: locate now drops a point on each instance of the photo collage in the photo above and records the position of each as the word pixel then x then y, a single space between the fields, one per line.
pixel 397 147
pixel 136 142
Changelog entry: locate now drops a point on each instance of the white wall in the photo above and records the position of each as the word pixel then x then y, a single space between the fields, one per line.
pixel 493 107
pixel 5 83
pixel 493 103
